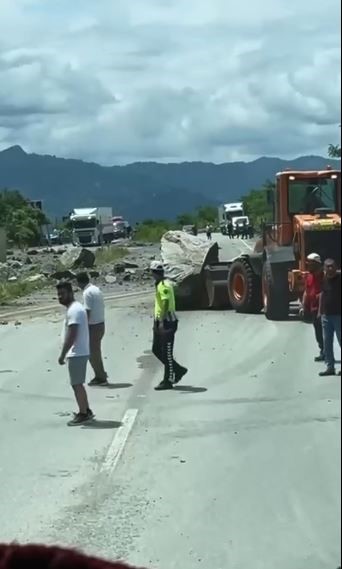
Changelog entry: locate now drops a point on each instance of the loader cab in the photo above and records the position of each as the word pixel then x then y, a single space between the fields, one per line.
pixel 302 193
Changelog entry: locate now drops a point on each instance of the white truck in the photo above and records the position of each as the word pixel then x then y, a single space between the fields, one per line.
pixel 92 226
pixel 230 212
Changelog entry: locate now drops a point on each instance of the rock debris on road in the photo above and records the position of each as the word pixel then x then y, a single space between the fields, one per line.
pixel 236 467
pixel 45 266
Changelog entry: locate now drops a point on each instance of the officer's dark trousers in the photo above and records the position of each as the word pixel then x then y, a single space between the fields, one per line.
pixel 163 344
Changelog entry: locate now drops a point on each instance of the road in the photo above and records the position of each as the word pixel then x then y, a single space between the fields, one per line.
pixel 237 467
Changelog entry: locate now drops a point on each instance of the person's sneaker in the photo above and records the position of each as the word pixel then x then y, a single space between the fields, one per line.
pixel 164 386
pixel 80 419
pixel 319 358
pixel 327 373
pixel 98 382
pixel 182 372
pixel 90 415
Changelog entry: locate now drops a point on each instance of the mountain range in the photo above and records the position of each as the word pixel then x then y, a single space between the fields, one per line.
pixel 140 190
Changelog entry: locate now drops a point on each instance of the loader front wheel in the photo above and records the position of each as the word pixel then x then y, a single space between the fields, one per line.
pixel 244 288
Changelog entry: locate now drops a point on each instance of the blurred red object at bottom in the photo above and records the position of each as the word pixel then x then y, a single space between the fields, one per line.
pixel 15 556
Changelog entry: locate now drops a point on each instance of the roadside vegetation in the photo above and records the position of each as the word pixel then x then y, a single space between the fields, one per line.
pixel 152 230
pixel 22 221
pixel 11 290
pixel 257 206
pixel 110 254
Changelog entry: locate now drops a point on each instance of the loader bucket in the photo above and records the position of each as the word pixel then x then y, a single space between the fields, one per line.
pixel 216 282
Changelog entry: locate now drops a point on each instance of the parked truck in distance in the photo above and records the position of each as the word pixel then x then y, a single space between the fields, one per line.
pixel 230 212
pixel 227 211
pixel 234 213
pixel 92 226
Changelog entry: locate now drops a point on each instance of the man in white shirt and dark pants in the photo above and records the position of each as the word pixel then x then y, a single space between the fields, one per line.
pixel 94 304
pixel 75 350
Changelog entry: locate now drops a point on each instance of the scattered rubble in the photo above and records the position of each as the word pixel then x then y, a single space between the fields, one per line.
pixel 47 266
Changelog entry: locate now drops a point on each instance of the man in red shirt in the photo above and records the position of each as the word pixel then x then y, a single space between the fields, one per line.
pixel 313 289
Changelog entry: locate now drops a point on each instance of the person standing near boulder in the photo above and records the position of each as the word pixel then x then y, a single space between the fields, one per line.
pixel 75 350
pixel 330 312
pixel 94 304
pixel 310 302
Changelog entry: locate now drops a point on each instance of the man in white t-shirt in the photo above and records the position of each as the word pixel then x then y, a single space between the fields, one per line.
pixel 75 350
pixel 94 305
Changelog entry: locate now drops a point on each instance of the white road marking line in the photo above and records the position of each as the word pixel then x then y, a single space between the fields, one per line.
pixel 119 441
pixel 247 245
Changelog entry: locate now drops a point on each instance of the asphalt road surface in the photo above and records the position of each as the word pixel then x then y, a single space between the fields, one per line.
pixel 237 467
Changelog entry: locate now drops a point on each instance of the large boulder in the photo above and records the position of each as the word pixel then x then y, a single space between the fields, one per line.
pixel 76 258
pixel 184 257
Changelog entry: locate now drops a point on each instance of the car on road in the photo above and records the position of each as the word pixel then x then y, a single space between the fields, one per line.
pixel 121 230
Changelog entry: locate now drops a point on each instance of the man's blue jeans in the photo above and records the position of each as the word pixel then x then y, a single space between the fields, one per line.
pixel 331 326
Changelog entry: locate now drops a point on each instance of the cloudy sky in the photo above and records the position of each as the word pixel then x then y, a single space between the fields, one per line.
pixel 116 81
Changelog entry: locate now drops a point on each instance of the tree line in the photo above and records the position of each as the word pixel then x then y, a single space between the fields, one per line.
pixel 153 229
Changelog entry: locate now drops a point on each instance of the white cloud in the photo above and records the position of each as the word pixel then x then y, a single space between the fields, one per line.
pixel 169 80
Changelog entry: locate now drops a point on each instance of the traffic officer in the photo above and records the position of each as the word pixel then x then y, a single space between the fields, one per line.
pixel 165 328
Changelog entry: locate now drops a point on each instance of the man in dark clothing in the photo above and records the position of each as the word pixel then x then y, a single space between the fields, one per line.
pixel 330 311
pixel 230 229
pixel 313 289
pixel 244 229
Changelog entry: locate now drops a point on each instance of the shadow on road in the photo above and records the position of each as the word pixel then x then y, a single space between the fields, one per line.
pixel 98 424
pixel 189 389
pixel 114 386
